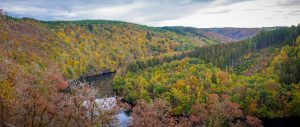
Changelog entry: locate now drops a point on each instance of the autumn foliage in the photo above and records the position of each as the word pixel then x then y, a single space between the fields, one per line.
pixel 217 111
pixel 171 76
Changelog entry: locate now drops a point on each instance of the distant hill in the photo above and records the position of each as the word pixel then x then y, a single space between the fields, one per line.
pixel 219 35
pixel 236 33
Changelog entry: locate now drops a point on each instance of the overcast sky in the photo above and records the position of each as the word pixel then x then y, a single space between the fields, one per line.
pixel 196 13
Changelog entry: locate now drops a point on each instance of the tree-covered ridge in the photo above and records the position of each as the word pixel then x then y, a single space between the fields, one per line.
pixel 273 92
pixel 227 55
pixel 224 55
pixel 95 48
pixel 88 47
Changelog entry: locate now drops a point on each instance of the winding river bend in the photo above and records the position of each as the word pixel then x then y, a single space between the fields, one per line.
pixel 103 83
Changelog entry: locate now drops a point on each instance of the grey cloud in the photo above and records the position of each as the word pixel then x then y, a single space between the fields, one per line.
pixel 288 3
pixel 283 3
pixel 154 10
pixel 294 12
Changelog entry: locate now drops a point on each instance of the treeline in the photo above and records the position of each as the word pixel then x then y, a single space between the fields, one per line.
pixel 154 61
pixel 225 55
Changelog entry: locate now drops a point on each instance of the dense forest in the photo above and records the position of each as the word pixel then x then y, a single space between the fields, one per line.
pixel 189 83
pixel 226 55
pixel 164 76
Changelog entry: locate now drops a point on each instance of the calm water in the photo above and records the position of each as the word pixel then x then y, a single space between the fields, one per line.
pixel 103 84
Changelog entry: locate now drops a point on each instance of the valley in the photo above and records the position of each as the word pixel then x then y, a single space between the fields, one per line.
pixel 55 73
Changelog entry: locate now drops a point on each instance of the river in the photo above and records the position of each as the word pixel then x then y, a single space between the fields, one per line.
pixel 103 83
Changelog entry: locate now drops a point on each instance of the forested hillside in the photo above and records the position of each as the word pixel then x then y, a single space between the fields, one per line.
pixel 88 47
pixel 226 56
pixel 190 87
pixel 92 47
